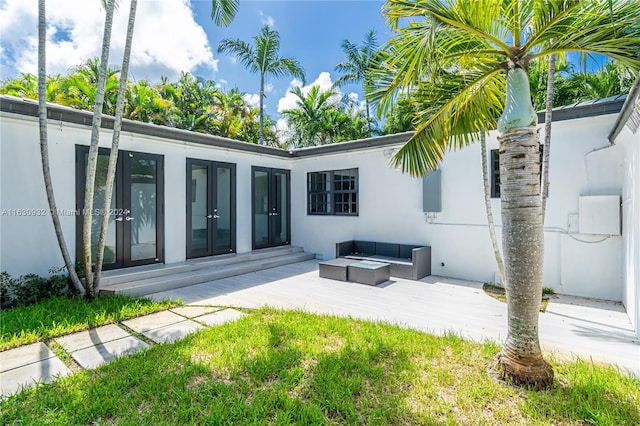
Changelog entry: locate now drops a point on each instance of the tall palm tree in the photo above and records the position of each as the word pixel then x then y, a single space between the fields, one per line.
pixel 115 143
pixel 92 160
pixel 44 147
pixel 262 57
pixel 360 60
pixel 467 61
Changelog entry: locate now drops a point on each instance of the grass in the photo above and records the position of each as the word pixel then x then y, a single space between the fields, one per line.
pixel 289 367
pixel 500 294
pixel 63 315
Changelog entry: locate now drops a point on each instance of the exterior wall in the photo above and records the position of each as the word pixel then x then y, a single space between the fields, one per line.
pixel 28 243
pixel 390 203
pixel 390 210
pixel 630 144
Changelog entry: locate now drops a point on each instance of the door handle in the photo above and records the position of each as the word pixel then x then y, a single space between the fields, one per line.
pixel 215 216
pixel 209 216
pixel 118 219
pixel 128 218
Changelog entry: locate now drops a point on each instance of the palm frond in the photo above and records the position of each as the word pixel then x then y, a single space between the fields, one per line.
pixel 454 109
pixel 223 11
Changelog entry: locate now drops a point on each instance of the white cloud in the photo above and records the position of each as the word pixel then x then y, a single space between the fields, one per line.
pixel 268 88
pixel 267 20
pixel 252 98
pixel 290 101
pixel 167 39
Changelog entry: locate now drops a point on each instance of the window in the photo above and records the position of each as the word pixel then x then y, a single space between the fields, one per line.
pixel 332 192
pixel 495 171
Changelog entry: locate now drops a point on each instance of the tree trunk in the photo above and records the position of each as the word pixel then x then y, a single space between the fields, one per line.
pixel 489 211
pixel 113 156
pixel 261 139
pixel 44 146
pixel 92 160
pixel 520 360
pixel 548 118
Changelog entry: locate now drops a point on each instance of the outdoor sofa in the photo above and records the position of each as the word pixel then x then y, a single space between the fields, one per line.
pixel 408 261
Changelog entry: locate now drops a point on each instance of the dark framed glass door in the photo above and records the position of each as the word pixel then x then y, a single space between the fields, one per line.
pixel 271 207
pixel 211 208
pixel 136 217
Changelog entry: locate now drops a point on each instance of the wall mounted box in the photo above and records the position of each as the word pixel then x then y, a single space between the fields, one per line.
pixel 600 214
pixel 431 190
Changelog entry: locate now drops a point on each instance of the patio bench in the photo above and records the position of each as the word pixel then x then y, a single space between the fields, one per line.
pixel 407 261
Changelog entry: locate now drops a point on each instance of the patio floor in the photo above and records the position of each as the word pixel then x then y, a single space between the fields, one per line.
pixel 592 329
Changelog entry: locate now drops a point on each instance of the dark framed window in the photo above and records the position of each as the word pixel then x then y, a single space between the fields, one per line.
pixel 494 164
pixel 333 192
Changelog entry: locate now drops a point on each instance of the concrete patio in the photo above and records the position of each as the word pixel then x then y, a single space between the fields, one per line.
pixel 572 326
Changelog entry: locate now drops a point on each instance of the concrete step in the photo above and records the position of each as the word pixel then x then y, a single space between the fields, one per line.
pixel 139 273
pixel 166 282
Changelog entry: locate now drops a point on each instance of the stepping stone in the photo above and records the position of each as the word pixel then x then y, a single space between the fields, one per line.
pixel 27 375
pixel 94 356
pixel 194 311
pixel 94 336
pixel 221 317
pixel 172 332
pixel 153 321
pixel 28 354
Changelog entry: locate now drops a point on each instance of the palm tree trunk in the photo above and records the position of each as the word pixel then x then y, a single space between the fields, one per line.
pixel 261 139
pixel 520 360
pixel 548 118
pixel 489 211
pixel 115 142
pixel 92 160
pixel 44 146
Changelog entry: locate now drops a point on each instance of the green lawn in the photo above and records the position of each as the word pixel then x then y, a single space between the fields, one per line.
pixel 289 367
pixel 62 315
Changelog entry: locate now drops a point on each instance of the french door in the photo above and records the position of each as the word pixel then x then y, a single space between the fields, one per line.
pixel 211 210
pixel 271 207
pixel 135 235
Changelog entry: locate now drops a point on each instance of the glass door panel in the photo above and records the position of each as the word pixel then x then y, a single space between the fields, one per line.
pixel 223 212
pixel 199 209
pixel 280 219
pixel 109 254
pixel 261 208
pixel 142 217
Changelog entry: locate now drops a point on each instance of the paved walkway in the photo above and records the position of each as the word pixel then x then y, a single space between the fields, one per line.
pixel 591 329
pixel 27 365
pixel 571 326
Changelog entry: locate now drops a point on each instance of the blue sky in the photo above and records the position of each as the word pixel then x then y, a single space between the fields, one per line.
pixel 172 36
pixel 310 31
pixel 178 35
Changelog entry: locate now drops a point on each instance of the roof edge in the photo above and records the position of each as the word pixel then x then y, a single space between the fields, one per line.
pixel 29 107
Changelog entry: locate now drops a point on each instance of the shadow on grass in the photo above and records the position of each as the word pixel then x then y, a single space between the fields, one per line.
pixel 283 367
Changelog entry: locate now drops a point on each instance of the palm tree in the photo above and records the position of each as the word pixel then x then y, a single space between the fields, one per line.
pixel 466 61
pixel 263 58
pixel 92 159
pixel 309 120
pixel 44 147
pixel 115 142
pixel 360 60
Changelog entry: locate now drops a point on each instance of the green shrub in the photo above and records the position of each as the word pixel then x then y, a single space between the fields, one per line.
pixel 29 289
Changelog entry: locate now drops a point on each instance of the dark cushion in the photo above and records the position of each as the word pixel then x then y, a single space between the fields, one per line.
pixel 367 247
pixel 344 248
pixel 405 251
pixel 387 249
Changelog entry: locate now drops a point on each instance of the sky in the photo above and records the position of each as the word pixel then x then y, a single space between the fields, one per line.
pixel 173 36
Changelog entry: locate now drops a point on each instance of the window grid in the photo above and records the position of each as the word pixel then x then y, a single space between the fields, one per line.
pixel 332 192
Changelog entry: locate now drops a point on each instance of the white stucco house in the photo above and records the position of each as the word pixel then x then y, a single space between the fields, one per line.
pixel 183 195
